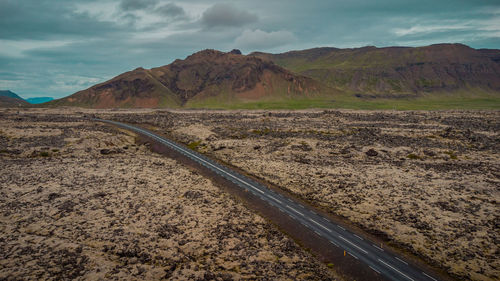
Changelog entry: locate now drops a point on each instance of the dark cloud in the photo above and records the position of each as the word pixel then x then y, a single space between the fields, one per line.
pixel 33 19
pixel 170 10
pixel 133 5
pixel 226 15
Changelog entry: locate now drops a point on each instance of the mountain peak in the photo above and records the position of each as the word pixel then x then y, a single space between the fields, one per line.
pixel 235 52
pixel 205 54
pixel 223 77
pixel 398 71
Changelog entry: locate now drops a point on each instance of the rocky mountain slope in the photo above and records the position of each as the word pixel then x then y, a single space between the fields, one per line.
pixel 398 71
pixel 208 76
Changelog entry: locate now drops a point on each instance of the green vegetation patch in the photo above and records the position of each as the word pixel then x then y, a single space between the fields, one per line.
pixel 436 101
pixel 413 156
pixel 451 154
pixel 194 145
pixel 261 132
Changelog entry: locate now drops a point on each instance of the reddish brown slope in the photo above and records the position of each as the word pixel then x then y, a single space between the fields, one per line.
pixel 136 88
pixel 209 74
pixel 212 73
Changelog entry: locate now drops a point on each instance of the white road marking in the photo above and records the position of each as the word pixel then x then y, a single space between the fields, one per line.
pixel 341 237
pixel 429 276
pixel 353 256
pixel 374 269
pixel 320 225
pixel 318 233
pixel 334 243
pixel 195 156
pixel 341 227
pixel 391 267
pixel 276 199
pixel 294 210
pixel 358 237
pixel 378 247
pixel 401 260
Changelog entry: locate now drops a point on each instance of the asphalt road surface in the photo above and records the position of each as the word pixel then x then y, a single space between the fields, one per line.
pixel 382 262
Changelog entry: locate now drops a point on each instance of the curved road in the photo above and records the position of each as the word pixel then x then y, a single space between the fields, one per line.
pixel 382 262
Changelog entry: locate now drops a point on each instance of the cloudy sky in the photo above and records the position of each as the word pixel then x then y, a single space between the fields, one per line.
pixel 57 47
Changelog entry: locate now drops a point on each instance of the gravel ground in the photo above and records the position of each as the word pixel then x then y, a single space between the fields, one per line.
pixel 80 200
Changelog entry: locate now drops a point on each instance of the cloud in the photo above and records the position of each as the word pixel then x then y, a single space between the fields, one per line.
pixel 170 10
pixel 226 15
pixel 261 40
pixel 426 29
pixel 133 5
pixel 39 20
pixel 18 48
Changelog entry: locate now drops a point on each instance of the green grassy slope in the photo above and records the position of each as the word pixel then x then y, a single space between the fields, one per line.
pixel 445 76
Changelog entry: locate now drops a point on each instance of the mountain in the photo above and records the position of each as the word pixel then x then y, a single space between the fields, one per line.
pixel 39 100
pixel 395 72
pixel 10 99
pixel 8 93
pixel 206 77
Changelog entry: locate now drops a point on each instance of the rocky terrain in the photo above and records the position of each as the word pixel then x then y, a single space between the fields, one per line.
pixel 206 77
pixel 398 72
pixel 426 182
pixel 81 200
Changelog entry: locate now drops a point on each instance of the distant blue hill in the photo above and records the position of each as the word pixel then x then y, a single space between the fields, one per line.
pixel 38 100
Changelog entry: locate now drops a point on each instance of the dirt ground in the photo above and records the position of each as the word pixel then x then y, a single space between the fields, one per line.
pixel 429 182
pixel 81 200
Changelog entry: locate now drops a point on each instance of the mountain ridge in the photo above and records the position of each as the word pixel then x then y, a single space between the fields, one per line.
pixel 406 71
pixel 324 77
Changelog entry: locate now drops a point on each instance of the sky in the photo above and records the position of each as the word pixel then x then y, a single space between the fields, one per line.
pixel 57 47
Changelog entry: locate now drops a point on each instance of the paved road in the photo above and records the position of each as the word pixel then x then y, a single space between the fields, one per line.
pixel 382 262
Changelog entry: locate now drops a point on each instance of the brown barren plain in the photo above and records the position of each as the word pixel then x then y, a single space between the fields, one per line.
pixel 82 200
pixel 428 183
